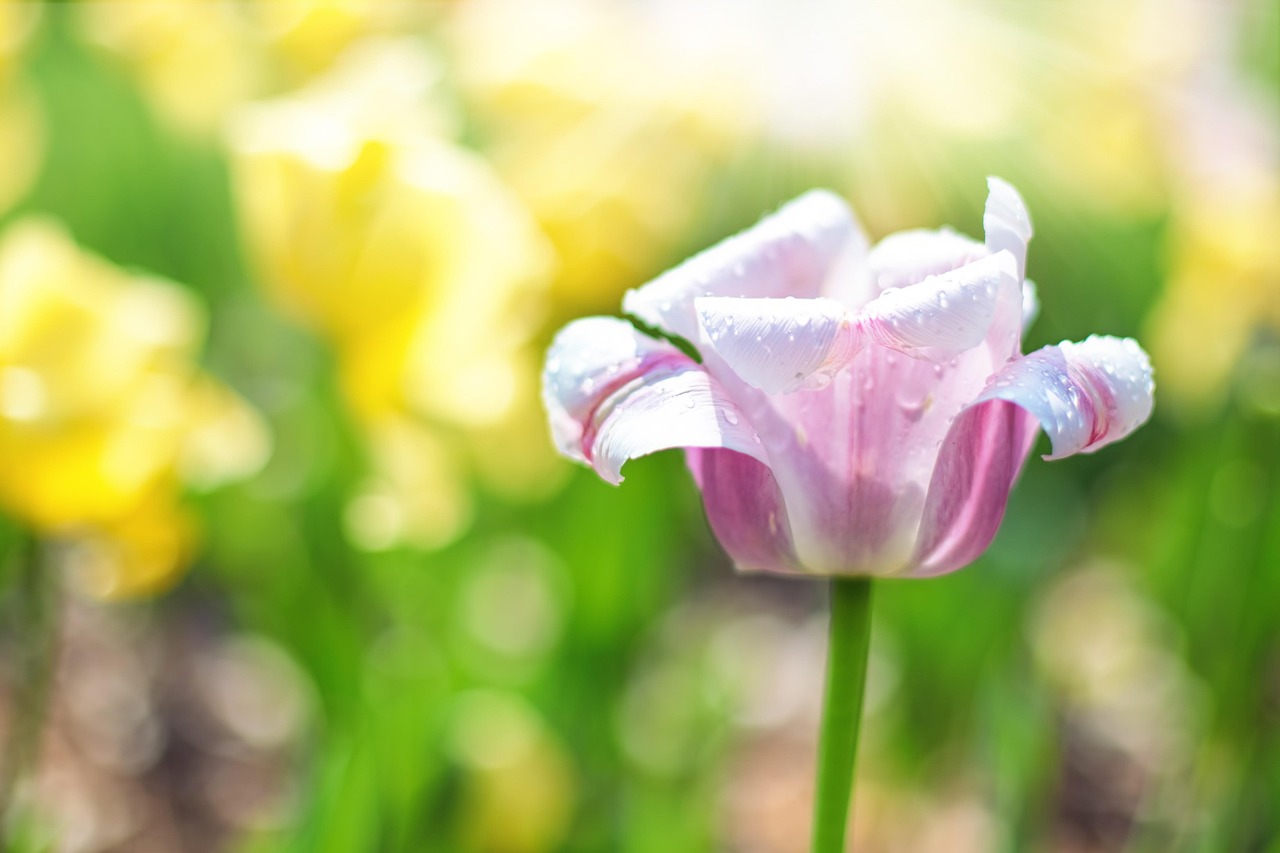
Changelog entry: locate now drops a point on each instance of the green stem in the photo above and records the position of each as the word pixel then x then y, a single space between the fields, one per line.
pixel 848 638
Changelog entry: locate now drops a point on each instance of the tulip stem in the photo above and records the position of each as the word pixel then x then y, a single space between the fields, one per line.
pixel 848 638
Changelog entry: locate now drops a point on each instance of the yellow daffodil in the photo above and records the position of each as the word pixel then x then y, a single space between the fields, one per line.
pixel 408 255
pixel 607 132
pixel 103 412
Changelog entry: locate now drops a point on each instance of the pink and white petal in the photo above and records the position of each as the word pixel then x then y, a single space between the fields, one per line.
pixel 790 253
pixel 778 345
pixel 588 360
pixel 613 394
pixel 1006 222
pixel 745 510
pixel 977 465
pixel 951 312
pixel 670 406
pixel 909 257
pixel 1085 395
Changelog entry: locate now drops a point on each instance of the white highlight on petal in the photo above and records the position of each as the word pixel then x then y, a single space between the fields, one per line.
pixel 1085 395
pixel 790 253
pixel 1006 222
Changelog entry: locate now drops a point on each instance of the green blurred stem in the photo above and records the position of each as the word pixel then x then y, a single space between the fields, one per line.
pixel 848 638
pixel 34 617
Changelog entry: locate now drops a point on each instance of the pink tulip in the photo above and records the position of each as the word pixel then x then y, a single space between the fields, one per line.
pixel 858 410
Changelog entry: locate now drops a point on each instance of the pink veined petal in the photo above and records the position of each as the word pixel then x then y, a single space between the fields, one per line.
pixel 908 257
pixel 976 468
pixel 614 394
pixel 782 345
pixel 745 509
pixel 790 253
pixel 1085 395
pixel 1006 222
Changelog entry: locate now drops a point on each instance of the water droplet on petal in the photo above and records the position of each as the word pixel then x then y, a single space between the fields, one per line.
pixel 730 416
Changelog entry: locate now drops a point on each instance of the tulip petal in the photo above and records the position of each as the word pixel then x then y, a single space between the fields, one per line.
pixel 1006 222
pixel 950 312
pixel 790 253
pixel 1030 303
pixel 614 394
pixel 746 511
pixel 1085 395
pixel 909 257
pixel 778 345
pixel 782 345
pixel 978 464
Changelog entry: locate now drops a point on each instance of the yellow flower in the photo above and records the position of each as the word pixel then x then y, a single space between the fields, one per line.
pixel 307 35
pixel 193 60
pixel 409 256
pixel 103 413
pixel 605 131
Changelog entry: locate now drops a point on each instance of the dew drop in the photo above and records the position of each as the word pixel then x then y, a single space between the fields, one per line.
pixel 731 417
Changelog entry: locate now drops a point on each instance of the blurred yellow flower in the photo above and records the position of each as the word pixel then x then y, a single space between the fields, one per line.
pixel 196 60
pixel 307 35
pixel 192 59
pixel 607 132
pixel 21 128
pixel 423 272
pixel 103 412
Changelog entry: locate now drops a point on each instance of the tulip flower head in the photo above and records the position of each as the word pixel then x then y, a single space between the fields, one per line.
pixel 857 410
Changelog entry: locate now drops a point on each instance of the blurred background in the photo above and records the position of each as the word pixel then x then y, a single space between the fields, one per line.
pixel 287 562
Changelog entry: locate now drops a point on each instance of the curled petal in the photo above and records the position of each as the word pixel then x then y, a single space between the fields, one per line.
pixel 614 394
pixel 1006 222
pixel 790 253
pixel 778 345
pixel 951 312
pixel 1085 395
pixel 908 257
